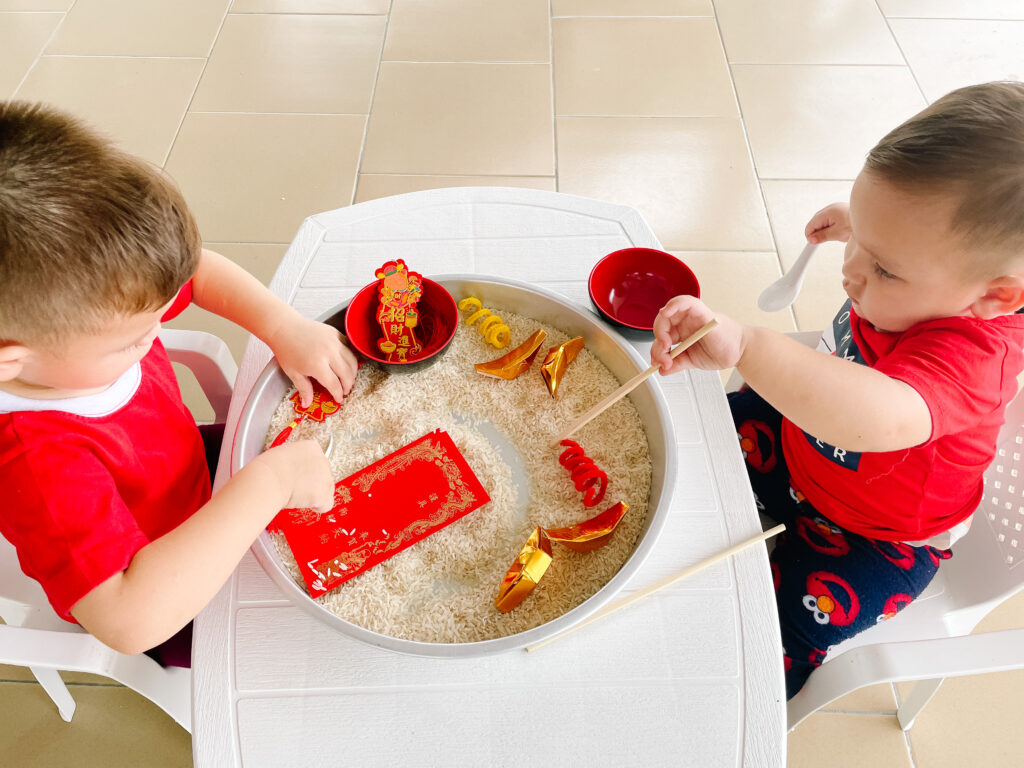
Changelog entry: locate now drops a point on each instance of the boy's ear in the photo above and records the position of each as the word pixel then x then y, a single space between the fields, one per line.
pixel 1003 296
pixel 12 357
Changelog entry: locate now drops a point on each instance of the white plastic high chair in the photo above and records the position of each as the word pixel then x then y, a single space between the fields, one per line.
pixel 930 640
pixel 34 636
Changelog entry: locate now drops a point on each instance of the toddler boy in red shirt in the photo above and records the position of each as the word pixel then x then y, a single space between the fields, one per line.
pixel 873 455
pixel 106 489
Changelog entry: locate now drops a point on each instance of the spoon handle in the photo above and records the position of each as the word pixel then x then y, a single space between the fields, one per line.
pixel 800 266
pixel 784 291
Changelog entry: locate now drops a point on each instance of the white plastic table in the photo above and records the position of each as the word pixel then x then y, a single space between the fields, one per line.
pixel 690 676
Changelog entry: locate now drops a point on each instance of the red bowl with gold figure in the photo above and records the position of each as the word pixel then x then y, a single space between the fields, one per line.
pixel 438 319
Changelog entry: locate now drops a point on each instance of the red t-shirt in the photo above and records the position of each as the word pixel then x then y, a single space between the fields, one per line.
pixel 88 482
pixel 965 369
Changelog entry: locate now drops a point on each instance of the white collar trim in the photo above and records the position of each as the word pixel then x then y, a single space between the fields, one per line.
pixel 104 403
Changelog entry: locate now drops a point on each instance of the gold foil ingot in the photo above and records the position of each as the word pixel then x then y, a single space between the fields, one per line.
pixel 513 363
pixel 590 534
pixel 529 566
pixel 556 362
pixel 535 556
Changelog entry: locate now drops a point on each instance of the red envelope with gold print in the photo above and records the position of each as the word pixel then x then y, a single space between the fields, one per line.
pixel 381 510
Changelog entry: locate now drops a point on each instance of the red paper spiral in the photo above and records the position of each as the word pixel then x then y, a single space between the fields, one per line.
pixel 588 479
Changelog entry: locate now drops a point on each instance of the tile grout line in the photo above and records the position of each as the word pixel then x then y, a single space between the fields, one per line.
pixel 906 734
pixel 638 16
pixel 814 64
pixel 955 18
pixel 554 111
pixel 567 117
pixel 899 47
pixel 118 56
pixel 870 712
pixel 369 107
pixel 42 49
pixel 195 90
pixel 482 62
pixel 299 13
pixel 285 114
pixel 750 154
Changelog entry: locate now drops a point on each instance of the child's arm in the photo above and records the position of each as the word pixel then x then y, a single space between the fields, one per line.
pixel 172 578
pixel 304 348
pixel 840 402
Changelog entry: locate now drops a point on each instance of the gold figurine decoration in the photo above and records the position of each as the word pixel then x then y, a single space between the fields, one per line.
pixel 557 361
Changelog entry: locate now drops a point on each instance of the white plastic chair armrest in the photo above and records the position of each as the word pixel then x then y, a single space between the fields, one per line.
pixel 52 649
pixel 41 649
pixel 917 660
pixel 209 358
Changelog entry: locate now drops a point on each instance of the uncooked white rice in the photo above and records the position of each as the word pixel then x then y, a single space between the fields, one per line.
pixel 442 589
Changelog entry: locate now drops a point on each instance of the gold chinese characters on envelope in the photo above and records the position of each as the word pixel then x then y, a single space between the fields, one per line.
pixel 381 510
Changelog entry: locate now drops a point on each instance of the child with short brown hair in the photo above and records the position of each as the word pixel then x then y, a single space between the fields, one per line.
pixel 106 488
pixel 873 455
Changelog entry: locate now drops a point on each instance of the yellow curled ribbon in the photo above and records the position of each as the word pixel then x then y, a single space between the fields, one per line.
pixel 494 331
pixel 535 555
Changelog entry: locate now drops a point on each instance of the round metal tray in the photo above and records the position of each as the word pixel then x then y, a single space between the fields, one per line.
pixel 612 349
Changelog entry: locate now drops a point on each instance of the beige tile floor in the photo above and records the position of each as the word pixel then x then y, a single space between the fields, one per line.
pixel 727 123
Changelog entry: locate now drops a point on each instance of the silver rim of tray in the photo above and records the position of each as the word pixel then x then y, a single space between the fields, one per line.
pixel 545 306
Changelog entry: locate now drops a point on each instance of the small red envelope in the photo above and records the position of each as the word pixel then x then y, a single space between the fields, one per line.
pixel 381 510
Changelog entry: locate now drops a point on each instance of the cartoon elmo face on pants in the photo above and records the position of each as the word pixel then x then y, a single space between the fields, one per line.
pixel 822 536
pixel 894 605
pixel 899 554
pixel 831 599
pixel 758 444
pixel 817 657
pixel 937 555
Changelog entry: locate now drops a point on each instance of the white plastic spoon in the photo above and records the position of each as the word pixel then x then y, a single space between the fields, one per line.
pixel 783 291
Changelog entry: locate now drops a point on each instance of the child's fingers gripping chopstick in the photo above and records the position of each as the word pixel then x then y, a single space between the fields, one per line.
pixel 675 322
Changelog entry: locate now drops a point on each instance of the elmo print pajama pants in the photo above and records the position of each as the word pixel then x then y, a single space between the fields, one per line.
pixel 830 584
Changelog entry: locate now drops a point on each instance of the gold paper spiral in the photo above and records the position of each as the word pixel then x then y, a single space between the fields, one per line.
pixel 494 331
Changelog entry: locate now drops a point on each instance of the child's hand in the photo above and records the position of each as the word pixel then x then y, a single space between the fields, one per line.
pixel 830 223
pixel 721 348
pixel 303 470
pixel 305 348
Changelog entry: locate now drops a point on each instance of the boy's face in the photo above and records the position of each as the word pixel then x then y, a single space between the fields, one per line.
pixel 89 363
pixel 901 262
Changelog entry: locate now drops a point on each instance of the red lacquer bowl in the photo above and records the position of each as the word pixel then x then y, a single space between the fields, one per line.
pixel 628 287
pixel 439 319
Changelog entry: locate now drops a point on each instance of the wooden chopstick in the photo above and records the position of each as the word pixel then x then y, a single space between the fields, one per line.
pixel 671 579
pixel 635 382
